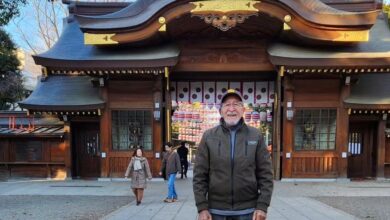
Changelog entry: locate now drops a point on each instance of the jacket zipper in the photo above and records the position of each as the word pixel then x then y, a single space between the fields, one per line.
pixel 219 148
pixel 246 148
pixel 232 165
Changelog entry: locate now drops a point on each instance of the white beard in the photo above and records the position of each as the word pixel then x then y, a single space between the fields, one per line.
pixel 231 122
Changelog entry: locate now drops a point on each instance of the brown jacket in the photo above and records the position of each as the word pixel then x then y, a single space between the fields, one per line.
pixel 171 163
pixel 220 182
pixel 138 178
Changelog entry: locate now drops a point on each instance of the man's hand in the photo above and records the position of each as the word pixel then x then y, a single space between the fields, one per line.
pixel 204 215
pixel 259 215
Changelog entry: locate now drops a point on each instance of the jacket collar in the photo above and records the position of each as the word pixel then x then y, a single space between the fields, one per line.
pixel 240 124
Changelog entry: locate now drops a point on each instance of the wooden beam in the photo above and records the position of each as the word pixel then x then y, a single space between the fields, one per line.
pixel 381 154
pixel 342 131
pixel 68 149
pixel 288 127
pixel 105 134
pixel 168 107
pixel 157 128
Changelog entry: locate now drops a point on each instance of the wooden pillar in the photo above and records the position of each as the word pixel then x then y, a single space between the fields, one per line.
pixel 105 135
pixel 288 128
pixel 277 124
pixel 342 129
pixel 381 154
pixel 157 126
pixel 68 149
pixel 168 107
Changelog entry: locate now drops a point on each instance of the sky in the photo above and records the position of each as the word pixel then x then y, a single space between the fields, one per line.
pixel 28 22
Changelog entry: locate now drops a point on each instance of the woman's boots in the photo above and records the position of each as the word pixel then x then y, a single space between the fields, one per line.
pixel 139 194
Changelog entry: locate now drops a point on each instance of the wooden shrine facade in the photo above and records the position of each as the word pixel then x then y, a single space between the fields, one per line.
pixel 111 78
pixel 32 146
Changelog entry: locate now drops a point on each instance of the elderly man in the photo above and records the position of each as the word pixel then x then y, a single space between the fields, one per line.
pixel 233 177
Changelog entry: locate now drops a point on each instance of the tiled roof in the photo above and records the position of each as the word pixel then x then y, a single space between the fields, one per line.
pixel 39 131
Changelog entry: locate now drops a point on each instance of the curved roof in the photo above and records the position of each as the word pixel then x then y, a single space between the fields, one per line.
pixel 318 12
pixel 141 11
pixel 371 90
pixel 133 15
pixel 375 52
pixel 71 52
pixel 144 19
pixel 64 93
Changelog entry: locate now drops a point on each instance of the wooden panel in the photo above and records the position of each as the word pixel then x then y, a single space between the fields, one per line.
pixel 118 166
pixel 224 56
pixel 29 150
pixel 326 90
pixel 57 151
pixel 130 94
pixel 387 158
pixel 4 150
pixel 29 171
pixel 28 158
pixel 314 166
pixel 316 104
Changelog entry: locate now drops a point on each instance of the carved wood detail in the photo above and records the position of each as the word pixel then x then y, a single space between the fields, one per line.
pixel 225 22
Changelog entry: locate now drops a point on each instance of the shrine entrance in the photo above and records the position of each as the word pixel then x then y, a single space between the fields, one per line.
pixel 361 149
pixel 85 150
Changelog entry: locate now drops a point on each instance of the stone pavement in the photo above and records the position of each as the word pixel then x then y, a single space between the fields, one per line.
pixel 290 200
pixel 282 208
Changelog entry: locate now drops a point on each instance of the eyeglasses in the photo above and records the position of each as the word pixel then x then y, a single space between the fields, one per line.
pixel 233 104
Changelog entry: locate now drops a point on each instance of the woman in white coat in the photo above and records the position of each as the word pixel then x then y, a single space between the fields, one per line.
pixel 139 170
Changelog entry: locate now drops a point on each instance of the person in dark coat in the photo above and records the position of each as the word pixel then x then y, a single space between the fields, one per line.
pixel 163 153
pixel 233 176
pixel 171 165
pixel 139 170
pixel 183 153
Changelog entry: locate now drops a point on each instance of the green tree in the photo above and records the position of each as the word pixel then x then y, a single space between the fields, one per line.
pixel 11 82
pixel 9 9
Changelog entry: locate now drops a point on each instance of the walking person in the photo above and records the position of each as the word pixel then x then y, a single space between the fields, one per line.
pixel 171 164
pixel 139 170
pixel 183 153
pixel 163 172
pixel 233 177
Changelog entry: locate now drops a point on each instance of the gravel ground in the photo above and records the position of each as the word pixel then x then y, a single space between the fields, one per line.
pixel 361 207
pixel 59 207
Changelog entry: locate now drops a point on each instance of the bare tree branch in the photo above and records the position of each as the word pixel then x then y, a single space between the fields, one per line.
pixel 25 38
pixel 44 22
